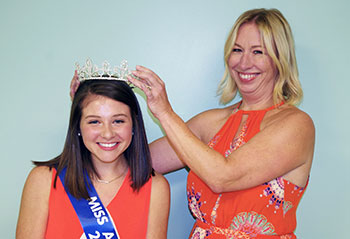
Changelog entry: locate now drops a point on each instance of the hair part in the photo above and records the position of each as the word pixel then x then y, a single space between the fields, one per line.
pixel 77 158
pixel 276 36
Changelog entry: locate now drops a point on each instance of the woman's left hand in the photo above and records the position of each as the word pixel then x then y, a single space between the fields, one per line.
pixel 154 89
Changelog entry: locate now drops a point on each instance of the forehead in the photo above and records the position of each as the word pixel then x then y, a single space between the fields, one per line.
pixel 103 106
pixel 248 33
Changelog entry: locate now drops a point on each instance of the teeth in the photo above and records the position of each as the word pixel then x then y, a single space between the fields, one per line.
pixel 107 145
pixel 247 76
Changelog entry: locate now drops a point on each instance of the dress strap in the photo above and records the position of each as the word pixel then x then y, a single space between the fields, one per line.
pixel 263 110
pixel 275 106
pixel 237 107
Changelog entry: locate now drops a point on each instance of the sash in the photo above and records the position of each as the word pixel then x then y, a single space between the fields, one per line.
pixel 93 216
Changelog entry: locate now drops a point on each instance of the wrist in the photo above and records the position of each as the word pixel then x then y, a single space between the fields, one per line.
pixel 168 119
pixel 166 115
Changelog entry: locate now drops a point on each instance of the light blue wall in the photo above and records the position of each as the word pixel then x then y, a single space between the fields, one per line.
pixel 183 42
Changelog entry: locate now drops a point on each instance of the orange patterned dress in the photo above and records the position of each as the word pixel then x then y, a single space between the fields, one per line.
pixel 264 211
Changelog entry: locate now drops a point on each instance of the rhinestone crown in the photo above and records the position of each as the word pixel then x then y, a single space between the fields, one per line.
pixel 94 72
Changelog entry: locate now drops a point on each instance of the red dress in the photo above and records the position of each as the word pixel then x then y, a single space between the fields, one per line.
pixel 128 209
pixel 264 211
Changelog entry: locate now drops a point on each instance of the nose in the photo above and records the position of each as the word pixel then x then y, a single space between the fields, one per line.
pixel 245 61
pixel 107 132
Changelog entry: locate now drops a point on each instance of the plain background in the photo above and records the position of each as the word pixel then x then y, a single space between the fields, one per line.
pixel 183 42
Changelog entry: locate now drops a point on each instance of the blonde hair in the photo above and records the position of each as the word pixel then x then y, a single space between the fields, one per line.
pixel 277 37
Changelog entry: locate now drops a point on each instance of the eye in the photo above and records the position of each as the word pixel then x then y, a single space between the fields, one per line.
pixel 118 121
pixel 258 52
pixel 93 122
pixel 236 49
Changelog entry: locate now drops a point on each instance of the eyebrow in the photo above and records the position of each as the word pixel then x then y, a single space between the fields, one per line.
pixel 97 116
pixel 255 46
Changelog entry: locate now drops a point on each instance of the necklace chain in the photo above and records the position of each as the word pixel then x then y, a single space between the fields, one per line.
pixel 107 182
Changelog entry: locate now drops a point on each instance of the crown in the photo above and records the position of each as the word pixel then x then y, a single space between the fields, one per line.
pixel 93 72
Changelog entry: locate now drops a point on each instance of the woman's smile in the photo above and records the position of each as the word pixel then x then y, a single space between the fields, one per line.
pixel 108 146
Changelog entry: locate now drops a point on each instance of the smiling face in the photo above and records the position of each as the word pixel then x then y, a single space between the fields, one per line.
pixel 250 66
pixel 106 128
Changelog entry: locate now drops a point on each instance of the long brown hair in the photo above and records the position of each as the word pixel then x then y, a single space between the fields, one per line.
pixel 77 158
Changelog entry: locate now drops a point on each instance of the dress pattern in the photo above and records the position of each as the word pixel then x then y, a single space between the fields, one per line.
pixel 264 211
pixel 195 204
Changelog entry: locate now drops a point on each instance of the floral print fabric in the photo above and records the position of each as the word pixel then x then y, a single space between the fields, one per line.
pixel 264 211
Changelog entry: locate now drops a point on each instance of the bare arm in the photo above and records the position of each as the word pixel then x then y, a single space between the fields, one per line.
pixel 282 148
pixel 34 208
pixel 159 208
pixel 164 158
pixel 285 148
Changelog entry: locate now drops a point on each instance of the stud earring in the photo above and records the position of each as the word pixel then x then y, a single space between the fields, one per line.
pixel 79 134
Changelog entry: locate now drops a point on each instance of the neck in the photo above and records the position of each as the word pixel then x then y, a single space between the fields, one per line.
pixel 259 98
pixel 251 103
pixel 108 171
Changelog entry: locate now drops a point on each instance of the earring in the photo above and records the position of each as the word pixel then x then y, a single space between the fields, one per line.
pixel 79 134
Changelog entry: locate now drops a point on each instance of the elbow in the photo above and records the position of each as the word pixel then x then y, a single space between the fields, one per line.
pixel 216 188
pixel 224 183
pixel 218 185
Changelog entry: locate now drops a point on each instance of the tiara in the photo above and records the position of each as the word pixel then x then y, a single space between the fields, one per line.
pixel 94 72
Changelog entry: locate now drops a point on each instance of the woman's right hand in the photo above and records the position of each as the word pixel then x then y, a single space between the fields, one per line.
pixel 74 84
pixel 154 89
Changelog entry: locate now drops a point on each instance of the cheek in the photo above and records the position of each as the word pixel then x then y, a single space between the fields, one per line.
pixel 127 136
pixel 127 133
pixel 268 65
pixel 232 60
pixel 86 140
pixel 87 133
pixel 273 70
pixel 232 63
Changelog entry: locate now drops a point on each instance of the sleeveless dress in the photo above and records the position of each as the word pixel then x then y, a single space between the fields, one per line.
pixel 264 211
pixel 128 209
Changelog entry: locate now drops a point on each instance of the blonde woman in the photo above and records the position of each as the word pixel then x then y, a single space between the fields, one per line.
pixel 250 161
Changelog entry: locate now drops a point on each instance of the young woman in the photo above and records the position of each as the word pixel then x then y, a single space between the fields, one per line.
pixel 102 185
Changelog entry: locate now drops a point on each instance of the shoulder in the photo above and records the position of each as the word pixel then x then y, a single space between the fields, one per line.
pixel 159 207
pixel 38 182
pixel 160 195
pixel 32 219
pixel 40 176
pixel 292 127
pixel 159 184
pixel 290 116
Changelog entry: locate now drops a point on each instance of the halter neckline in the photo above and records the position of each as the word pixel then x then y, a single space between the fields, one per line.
pixel 248 111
